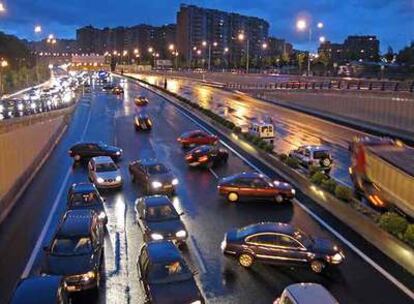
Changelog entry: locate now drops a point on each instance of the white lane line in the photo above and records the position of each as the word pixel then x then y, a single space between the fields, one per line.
pixel 377 267
pixel 197 254
pixel 40 240
pixel 214 173
pixel 42 235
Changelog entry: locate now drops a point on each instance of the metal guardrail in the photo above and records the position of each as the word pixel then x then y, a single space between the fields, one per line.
pixel 357 85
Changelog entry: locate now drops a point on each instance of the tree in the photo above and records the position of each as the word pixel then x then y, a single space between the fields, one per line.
pixel 406 55
pixel 301 59
pixel 389 55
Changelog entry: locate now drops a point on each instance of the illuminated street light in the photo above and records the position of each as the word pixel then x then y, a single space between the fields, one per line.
pixel 226 49
pixel 150 49
pixel 322 39
pixel 243 37
pixel 215 43
pixel 320 25
pixel 4 63
pixel 50 37
pixel 194 48
pixel 38 29
pixel 204 43
pixel 301 24
pixel 2 7
pixel 171 47
pixel 125 52
pixel 136 51
pixel 264 45
pixel 198 52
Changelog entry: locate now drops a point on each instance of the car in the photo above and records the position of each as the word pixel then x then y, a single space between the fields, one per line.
pixel 280 243
pixel 256 186
pixel 76 250
pixel 8 109
pixel 313 156
pixel 87 150
pixel 141 101
pixel 165 275
pixel 104 173
pixel 41 290
pixel 206 156
pixel 108 87
pixel 306 293
pixel 142 121
pixel 86 196
pixel 117 90
pixel 159 220
pixel 153 176
pixel 197 138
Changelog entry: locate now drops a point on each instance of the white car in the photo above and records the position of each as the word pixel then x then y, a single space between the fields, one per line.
pixel 309 156
pixel 104 173
pixel 306 293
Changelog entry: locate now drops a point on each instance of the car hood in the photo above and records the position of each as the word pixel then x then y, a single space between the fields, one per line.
pixel 165 227
pixel 324 246
pixel 282 185
pixel 69 265
pixel 164 178
pixel 112 149
pixel 108 175
pixel 175 292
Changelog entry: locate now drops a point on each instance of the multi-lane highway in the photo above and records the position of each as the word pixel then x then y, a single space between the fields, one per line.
pixel 105 117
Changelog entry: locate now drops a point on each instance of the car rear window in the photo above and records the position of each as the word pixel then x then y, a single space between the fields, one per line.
pixel 174 271
pixel 72 246
pixel 108 167
pixel 84 199
pixel 321 154
pixel 157 169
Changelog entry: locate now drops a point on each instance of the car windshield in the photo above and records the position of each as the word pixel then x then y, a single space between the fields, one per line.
pixel 320 154
pixel 106 167
pixel 160 213
pixel 303 238
pixel 72 246
pixel 157 169
pixel 102 145
pixel 175 271
pixel 84 199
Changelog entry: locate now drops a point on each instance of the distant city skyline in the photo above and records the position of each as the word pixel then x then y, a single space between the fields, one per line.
pixel 390 20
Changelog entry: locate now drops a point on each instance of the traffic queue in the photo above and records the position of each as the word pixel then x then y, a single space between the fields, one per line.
pixel 74 257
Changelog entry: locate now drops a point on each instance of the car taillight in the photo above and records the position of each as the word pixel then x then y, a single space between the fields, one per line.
pixel 203 158
pixel 188 157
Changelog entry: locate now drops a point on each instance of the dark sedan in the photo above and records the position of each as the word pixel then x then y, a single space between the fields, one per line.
pixel 159 220
pixel 108 88
pixel 76 250
pixel 252 185
pixel 143 122
pixel 117 90
pixel 141 101
pixel 206 156
pixel 154 176
pixel 280 243
pixel 41 290
pixel 165 276
pixel 86 196
pixel 197 138
pixel 91 149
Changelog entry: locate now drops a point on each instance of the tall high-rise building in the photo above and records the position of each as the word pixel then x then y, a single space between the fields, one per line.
pixel 221 31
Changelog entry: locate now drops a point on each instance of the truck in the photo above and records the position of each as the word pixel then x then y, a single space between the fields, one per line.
pixel 263 129
pixel 382 170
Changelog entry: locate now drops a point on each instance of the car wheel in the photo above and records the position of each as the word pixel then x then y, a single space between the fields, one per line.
pixel 317 266
pixel 77 157
pixel 232 197
pixel 279 198
pixel 326 162
pixel 246 260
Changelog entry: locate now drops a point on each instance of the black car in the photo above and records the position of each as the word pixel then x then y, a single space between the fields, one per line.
pixel 117 90
pixel 142 121
pixel 91 149
pixel 141 101
pixel 159 220
pixel 41 290
pixel 153 176
pixel 280 243
pixel 86 196
pixel 76 250
pixel 7 109
pixel 165 276
pixel 206 156
pixel 108 87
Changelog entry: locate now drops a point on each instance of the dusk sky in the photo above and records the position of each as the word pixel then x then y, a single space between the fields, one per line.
pixel 391 20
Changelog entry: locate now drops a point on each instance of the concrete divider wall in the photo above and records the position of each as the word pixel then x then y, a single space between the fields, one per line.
pixel 23 147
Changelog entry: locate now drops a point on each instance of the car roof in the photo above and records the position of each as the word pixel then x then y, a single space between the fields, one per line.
pixel 316 147
pixel 156 200
pixel 37 290
pixel 311 293
pixel 83 188
pixel 189 133
pixel 248 175
pixel 163 251
pixel 142 115
pixel 266 227
pixel 102 160
pixel 76 223
pixel 203 148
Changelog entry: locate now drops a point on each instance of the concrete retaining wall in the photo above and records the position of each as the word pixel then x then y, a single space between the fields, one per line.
pixel 24 144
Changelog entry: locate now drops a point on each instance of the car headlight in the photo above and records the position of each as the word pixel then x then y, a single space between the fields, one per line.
pixel 293 191
pixel 90 275
pixel 175 182
pixel 100 180
pixel 223 245
pixel 118 153
pixel 181 233
pixel 102 215
pixel 20 107
pixel 118 178
pixel 336 258
pixel 156 184
pixel 196 302
pixel 156 236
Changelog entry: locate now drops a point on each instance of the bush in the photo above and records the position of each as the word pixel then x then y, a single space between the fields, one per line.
pixel 262 144
pixel 283 157
pixel 313 170
pixel 318 177
pixel 237 130
pixel 393 223
pixel 409 235
pixel 343 193
pixel 329 185
pixel 256 140
pixel 292 162
pixel 269 148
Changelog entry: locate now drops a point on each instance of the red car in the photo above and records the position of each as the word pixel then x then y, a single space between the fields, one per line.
pixel 197 138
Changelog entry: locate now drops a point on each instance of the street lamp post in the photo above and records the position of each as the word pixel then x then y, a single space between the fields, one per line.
pixel 3 64
pixel 209 52
pixel 37 31
pixel 242 37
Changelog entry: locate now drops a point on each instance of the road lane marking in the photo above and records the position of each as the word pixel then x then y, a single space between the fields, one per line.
pixel 214 173
pixel 197 254
pixel 377 267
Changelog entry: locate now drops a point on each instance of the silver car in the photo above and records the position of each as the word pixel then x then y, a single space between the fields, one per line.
pixel 306 293
pixel 104 173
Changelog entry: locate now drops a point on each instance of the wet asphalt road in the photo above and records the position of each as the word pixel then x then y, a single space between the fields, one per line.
pixel 101 116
